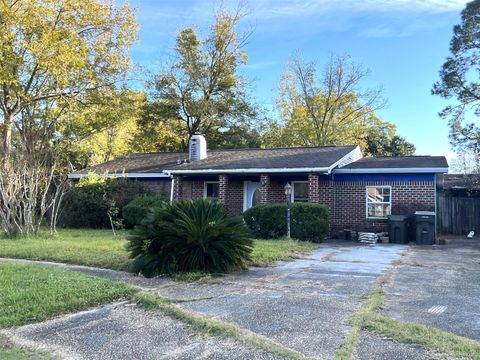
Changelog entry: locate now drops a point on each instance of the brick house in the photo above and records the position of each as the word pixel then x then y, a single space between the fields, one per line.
pixel 359 192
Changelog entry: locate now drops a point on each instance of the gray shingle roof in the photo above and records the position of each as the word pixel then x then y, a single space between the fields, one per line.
pixel 137 163
pixel 399 162
pixel 278 158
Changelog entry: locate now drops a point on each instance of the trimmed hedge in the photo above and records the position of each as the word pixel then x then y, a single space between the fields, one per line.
pixel 137 209
pixel 309 221
pixel 87 205
pixel 267 220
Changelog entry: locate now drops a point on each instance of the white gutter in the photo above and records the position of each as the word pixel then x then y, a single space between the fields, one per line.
pixel 123 175
pixel 250 171
pixel 390 170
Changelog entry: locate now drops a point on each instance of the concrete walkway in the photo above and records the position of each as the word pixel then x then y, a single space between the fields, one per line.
pixel 302 304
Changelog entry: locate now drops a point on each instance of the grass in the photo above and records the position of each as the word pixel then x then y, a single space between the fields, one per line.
pixel 357 321
pixel 435 339
pixel 267 251
pixel 74 246
pixel 215 327
pixel 368 318
pixel 31 293
pixel 100 248
pixel 11 352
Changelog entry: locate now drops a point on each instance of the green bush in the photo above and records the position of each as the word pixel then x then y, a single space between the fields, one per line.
pixel 267 220
pixel 86 205
pixel 137 209
pixel 309 221
pixel 189 236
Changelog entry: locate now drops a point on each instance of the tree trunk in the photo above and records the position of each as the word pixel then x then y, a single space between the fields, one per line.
pixel 7 135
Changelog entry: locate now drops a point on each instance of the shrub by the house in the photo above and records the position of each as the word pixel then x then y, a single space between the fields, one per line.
pixel 137 209
pixel 267 220
pixel 88 203
pixel 308 221
pixel 189 236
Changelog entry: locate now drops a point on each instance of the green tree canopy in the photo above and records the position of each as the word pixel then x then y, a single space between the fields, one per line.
pixel 202 88
pixel 383 141
pixel 326 109
pixel 54 52
pixel 459 80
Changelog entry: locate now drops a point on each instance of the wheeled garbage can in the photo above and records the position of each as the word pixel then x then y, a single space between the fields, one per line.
pixel 398 229
pixel 425 227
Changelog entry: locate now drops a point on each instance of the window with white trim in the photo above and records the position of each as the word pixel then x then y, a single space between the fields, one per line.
pixel 211 190
pixel 300 191
pixel 379 202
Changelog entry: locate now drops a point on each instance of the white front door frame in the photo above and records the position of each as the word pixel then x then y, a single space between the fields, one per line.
pixel 249 188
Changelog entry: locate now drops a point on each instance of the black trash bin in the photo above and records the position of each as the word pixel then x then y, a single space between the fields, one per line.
pixel 425 227
pixel 398 229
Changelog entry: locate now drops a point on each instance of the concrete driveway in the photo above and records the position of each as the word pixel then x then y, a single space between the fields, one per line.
pixel 302 304
pixel 439 286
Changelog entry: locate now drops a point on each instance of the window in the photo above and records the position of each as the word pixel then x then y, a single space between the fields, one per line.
pixel 300 191
pixel 379 202
pixel 211 190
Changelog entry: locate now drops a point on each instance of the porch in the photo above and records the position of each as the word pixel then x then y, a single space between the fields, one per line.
pixel 240 192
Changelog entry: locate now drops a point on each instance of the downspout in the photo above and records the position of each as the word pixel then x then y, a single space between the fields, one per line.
pixel 172 185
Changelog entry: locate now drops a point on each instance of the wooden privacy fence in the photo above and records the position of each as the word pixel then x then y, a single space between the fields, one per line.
pixel 458 215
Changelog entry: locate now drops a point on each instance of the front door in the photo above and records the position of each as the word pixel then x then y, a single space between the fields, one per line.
pixel 251 194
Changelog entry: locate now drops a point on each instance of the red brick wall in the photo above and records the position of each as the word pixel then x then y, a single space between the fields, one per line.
pixel 192 189
pixel 235 197
pixel 349 208
pixel 159 187
pixel 230 192
pixel 272 190
pixel 277 191
pixel 346 200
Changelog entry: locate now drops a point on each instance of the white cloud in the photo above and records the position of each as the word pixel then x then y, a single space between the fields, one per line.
pixel 302 8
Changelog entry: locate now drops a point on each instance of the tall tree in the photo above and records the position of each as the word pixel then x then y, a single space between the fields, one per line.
pixel 459 80
pixel 202 88
pixel 383 141
pixel 330 109
pixel 56 51
pixel 103 128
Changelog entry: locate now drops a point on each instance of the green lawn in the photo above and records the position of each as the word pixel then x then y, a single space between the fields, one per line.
pixel 267 251
pixel 100 248
pixel 31 293
pixel 10 352
pixel 74 246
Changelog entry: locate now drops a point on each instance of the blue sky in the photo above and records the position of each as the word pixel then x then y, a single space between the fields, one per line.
pixel 402 42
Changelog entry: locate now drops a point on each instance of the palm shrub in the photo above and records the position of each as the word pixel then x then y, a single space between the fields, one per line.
pixel 189 235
